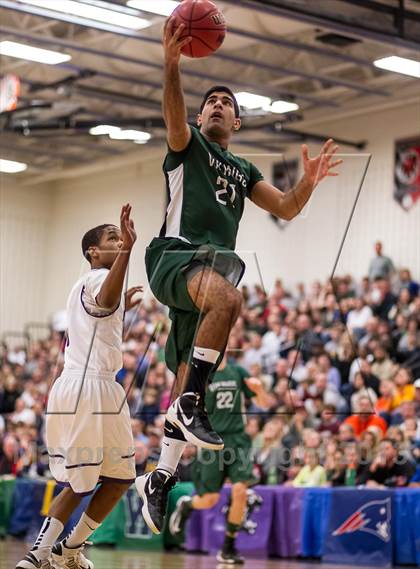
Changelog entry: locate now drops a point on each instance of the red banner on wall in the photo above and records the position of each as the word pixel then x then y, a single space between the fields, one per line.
pixel 407 172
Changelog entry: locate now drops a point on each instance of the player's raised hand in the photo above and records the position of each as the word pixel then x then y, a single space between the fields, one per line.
pixel 172 42
pixel 318 168
pixel 128 232
pixel 130 302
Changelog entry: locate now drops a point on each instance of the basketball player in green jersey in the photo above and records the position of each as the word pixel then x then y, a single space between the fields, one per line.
pixel 225 403
pixel 192 266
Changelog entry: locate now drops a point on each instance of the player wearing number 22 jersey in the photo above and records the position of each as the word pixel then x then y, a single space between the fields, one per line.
pixel 225 402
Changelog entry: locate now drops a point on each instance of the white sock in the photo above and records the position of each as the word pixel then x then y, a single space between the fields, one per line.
pixel 205 354
pixel 50 531
pixel 84 528
pixel 170 455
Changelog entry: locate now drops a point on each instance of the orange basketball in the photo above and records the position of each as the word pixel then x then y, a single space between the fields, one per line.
pixel 204 23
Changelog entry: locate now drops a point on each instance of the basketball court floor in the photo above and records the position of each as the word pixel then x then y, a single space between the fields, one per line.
pixel 12 551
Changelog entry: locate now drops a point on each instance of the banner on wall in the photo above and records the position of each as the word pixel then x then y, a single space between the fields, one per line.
pixel 407 172
pixel 360 528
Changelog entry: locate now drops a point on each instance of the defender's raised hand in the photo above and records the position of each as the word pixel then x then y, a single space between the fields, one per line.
pixel 172 44
pixel 128 232
pixel 318 168
pixel 129 301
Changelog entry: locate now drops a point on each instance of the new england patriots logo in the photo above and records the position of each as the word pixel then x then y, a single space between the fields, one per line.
pixel 374 517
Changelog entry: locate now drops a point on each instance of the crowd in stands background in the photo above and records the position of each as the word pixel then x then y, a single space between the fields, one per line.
pixel 340 361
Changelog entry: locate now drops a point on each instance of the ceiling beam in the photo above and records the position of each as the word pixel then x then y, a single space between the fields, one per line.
pixel 105 55
pixel 10 5
pixel 278 8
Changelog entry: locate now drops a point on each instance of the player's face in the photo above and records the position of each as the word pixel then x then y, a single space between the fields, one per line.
pixel 109 246
pixel 218 115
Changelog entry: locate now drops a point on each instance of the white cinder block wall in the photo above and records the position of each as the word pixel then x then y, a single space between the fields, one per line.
pixel 42 226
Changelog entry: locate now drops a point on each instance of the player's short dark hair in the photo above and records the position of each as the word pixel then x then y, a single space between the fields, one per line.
pixel 221 89
pixel 92 237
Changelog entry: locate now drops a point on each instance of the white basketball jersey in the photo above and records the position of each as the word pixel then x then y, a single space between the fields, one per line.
pixel 94 334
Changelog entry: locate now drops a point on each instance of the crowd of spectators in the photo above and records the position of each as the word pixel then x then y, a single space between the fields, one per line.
pixel 339 361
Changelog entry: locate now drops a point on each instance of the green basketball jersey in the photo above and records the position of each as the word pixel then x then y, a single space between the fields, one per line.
pixel 225 400
pixel 207 187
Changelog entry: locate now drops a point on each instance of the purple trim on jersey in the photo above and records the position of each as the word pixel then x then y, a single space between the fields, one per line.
pixel 108 479
pixel 83 464
pixel 96 315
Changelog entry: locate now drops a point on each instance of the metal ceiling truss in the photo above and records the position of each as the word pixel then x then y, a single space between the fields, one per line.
pixel 332 20
pixel 42 40
pixel 332 81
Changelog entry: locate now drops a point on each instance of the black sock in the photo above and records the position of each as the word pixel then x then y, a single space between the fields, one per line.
pixel 230 537
pixel 200 371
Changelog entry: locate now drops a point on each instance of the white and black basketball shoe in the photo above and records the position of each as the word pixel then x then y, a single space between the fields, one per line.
pixel 70 558
pixel 153 489
pixel 31 562
pixel 188 413
pixel 230 557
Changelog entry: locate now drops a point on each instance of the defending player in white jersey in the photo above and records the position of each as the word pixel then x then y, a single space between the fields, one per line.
pixel 88 428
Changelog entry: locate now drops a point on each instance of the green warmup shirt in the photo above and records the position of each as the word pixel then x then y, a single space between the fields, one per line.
pixel 207 187
pixel 225 400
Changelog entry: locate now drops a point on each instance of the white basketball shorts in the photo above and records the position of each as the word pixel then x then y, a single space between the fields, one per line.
pixel 88 432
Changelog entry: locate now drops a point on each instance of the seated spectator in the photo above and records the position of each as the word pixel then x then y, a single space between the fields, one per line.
pixel 312 473
pixel 300 421
pixel 353 472
pixel 406 282
pixel 383 367
pixel 297 368
pixel 409 345
pixel 306 336
pixel 255 354
pixel 360 390
pixel 149 407
pixel 10 392
pixel 9 456
pixel 384 405
pixel 323 391
pixel 333 375
pixel 333 465
pixel 368 444
pixel 371 380
pixel 405 390
pixel 358 317
pixel 346 433
pixel 389 468
pixel 371 332
pixel 271 457
pixel 402 306
pixel 382 299
pixel 22 414
pixel 253 430
pixel 365 418
pixel 329 420
pixel 272 341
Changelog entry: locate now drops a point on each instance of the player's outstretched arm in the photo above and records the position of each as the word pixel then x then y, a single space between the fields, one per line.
pixel 110 294
pixel 289 205
pixel 174 109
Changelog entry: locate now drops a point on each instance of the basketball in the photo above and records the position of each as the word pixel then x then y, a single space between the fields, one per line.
pixel 204 23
